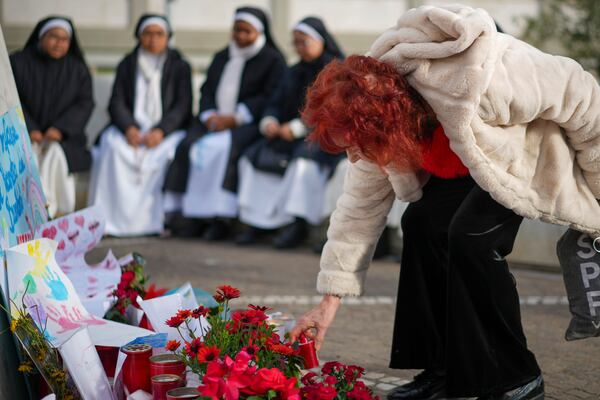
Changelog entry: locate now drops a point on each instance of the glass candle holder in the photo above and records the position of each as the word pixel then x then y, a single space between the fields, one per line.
pixel 136 369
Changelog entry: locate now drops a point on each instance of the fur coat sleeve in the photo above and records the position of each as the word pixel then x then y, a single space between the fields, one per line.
pixel 525 123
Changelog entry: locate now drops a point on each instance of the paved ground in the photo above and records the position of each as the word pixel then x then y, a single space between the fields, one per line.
pixel 362 331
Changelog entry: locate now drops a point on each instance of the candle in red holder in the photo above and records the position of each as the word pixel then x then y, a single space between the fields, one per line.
pixel 183 393
pixel 161 384
pixel 136 369
pixel 108 357
pixel 167 364
pixel 308 352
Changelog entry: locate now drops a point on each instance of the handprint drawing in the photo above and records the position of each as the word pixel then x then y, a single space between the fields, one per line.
pixel 71 319
pixel 41 260
pixel 58 290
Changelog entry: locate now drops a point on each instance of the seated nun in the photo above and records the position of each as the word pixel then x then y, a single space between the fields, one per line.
pixel 55 89
pixel 283 177
pixel 238 84
pixel 150 109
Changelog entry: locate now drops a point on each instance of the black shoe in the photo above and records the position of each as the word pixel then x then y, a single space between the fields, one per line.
pixel 533 390
pixel 217 230
pixel 292 235
pixel 428 385
pixel 186 227
pixel 249 236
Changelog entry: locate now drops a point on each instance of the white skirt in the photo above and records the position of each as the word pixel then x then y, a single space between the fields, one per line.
pixel 205 196
pixel 335 188
pixel 57 182
pixel 270 201
pixel 126 183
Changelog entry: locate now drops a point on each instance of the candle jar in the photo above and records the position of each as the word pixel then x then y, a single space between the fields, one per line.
pixel 308 353
pixel 136 369
pixel 108 357
pixel 167 364
pixel 161 384
pixel 183 393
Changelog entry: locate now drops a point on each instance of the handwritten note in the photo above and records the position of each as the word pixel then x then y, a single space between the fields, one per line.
pixel 22 201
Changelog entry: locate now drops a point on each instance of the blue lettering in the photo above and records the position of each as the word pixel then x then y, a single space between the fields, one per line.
pixel 16 209
pixel 9 136
pixel 10 177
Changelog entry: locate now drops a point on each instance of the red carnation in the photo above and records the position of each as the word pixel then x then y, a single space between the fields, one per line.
pixel 174 322
pixel 208 354
pixel 127 277
pixel 173 345
pixel 331 367
pixel 353 372
pixel 228 292
pixel 219 298
pixel 282 349
pixel 193 348
pixel 309 379
pixel 258 308
pixel 250 317
pixel 251 349
pixel 201 311
pixel 184 314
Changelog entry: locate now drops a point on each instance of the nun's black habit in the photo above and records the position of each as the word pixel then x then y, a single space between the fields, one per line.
pixel 56 93
pixel 260 77
pixel 285 105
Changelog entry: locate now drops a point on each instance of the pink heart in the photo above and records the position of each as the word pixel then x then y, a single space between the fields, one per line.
pixel 50 232
pixel 79 220
pixel 61 245
pixel 92 279
pixel 63 225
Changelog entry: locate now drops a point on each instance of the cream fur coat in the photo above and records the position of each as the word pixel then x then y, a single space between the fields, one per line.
pixel 525 123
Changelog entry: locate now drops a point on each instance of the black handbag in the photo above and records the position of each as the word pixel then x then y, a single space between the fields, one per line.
pixel 271 156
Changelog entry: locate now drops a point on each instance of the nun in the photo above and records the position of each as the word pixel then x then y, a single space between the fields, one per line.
pixel 55 88
pixel 150 108
pixel 202 181
pixel 283 177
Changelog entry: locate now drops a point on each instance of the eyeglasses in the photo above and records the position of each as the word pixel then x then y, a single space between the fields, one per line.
pixel 158 34
pixel 300 42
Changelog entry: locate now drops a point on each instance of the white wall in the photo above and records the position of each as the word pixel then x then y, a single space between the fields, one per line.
pixel 354 16
pixel 209 14
pixel 85 13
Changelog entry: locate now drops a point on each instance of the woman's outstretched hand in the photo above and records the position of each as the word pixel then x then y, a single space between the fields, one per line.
pixel 314 324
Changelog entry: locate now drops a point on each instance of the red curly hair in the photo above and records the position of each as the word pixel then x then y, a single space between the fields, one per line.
pixel 365 103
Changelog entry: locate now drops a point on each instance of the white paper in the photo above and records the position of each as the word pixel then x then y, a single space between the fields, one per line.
pixel 189 301
pixel 160 309
pixel 52 300
pixel 76 234
pixel 85 367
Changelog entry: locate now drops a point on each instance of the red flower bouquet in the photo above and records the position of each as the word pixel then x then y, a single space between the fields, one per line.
pixel 242 357
pixel 337 381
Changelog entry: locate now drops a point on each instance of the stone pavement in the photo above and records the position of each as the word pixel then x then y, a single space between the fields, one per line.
pixel 362 331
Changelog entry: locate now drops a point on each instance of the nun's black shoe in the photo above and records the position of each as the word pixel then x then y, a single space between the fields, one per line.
pixel 428 385
pixel 249 236
pixel 217 230
pixel 533 390
pixel 292 235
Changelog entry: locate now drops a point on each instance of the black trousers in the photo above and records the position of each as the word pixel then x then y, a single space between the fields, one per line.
pixel 458 306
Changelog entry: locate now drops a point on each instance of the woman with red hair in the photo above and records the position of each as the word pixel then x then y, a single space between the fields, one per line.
pixel 477 130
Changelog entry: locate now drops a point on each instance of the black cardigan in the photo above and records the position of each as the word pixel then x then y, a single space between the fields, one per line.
pixel 56 93
pixel 176 91
pixel 260 77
